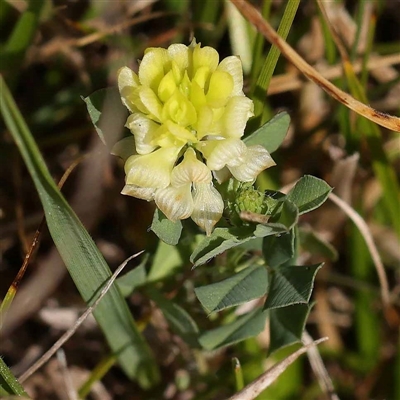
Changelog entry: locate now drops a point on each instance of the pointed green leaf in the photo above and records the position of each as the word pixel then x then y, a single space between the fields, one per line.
pixel 289 214
pixel 271 228
pixel 246 285
pixel 167 260
pixel 130 281
pixel 223 239
pixel 316 245
pixel 85 263
pixel 309 193
pixel 278 249
pixel 248 325
pixel 107 114
pixel 291 285
pixel 220 240
pixel 271 134
pixel 179 320
pixel 286 325
pixel 168 231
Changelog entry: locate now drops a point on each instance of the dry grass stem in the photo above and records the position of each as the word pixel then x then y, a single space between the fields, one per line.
pixel 62 361
pixel 253 389
pixel 380 118
pixel 335 35
pixel 60 342
pixel 292 81
pixel 366 234
pixel 319 369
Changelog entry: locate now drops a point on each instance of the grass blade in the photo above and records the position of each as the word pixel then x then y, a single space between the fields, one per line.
pixel 271 61
pixel 8 383
pixel 85 263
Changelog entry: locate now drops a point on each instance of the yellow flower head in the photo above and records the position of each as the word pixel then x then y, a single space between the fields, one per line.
pixel 188 113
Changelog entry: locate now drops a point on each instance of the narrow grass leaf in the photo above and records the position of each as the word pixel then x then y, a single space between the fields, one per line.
pixel 9 384
pixel 21 37
pixel 85 263
pixel 96 375
pixel 271 61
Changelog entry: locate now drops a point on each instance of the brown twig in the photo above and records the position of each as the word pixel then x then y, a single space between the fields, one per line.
pixel 366 234
pixel 252 390
pixel 292 81
pixel 60 342
pixel 254 17
pixel 319 369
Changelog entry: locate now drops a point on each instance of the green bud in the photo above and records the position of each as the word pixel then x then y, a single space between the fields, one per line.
pixel 242 196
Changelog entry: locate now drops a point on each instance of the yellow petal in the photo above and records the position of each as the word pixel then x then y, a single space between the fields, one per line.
pixel 205 57
pixel 151 170
pixel 190 170
pixel 127 78
pixel 175 202
pixel 185 85
pixel 179 110
pixel 165 138
pixel 256 159
pixel 207 206
pixel 204 121
pixel 144 130
pixel 201 76
pixel 197 96
pixel 179 132
pixel 233 66
pixel 151 102
pixel 237 112
pixel 155 63
pixel 179 53
pixel 139 192
pixel 220 89
pixel 226 152
pixel 127 82
pixel 222 175
pixel 167 87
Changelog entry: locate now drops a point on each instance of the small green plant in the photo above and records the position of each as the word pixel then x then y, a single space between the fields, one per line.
pixel 225 258
pixel 186 150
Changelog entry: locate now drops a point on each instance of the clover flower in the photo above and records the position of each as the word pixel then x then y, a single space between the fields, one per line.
pixel 187 115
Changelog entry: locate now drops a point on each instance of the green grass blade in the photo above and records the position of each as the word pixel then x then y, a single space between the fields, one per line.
pixel 8 383
pixel 85 263
pixel 330 48
pixel 258 47
pixel 96 375
pixel 21 37
pixel 365 129
pixel 6 303
pixel 368 340
pixel 270 63
pixel 380 163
